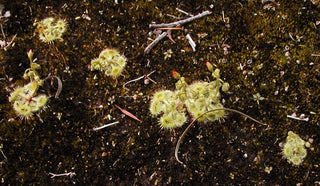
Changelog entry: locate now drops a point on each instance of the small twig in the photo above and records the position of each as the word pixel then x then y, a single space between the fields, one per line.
pixel 104 126
pixel 63 174
pixel 170 28
pixel 191 42
pixel 1 146
pixel 301 118
pixel 223 16
pixel 291 36
pixel 59 86
pixel 169 31
pixel 173 16
pixel 184 12
pixel 3 154
pixel 133 80
pixel 144 76
pixel 315 55
pixel 4 36
pixel 191 124
pixel 154 42
pixel 153 81
pixel 181 22
pixel 147 76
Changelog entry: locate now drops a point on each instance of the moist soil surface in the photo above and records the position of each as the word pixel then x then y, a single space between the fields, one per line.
pixel 268 51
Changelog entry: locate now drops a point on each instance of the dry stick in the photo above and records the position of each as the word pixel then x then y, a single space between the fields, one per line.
pixel 191 42
pixel 104 126
pixel 170 28
pixel 133 80
pixel 182 11
pixel 144 76
pixel 170 25
pixel 298 118
pixel 3 154
pixel 63 174
pixel 181 22
pixel 191 124
pixel 154 42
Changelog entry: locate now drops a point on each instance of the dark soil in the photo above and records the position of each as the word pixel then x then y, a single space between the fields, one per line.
pixel 269 47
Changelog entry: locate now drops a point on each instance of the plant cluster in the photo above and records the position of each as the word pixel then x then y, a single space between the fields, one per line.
pixel 196 98
pixel 294 148
pixel 25 99
pixel 51 29
pixel 110 61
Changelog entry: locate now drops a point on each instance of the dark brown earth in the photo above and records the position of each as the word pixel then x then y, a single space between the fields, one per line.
pixel 269 47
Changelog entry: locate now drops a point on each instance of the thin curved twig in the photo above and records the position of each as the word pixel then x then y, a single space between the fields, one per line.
pixel 59 84
pixel 191 124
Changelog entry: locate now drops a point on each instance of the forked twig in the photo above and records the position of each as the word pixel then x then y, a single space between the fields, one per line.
pixel 144 76
pixel 180 22
pixel 63 174
pixel 191 124
pixel 172 26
